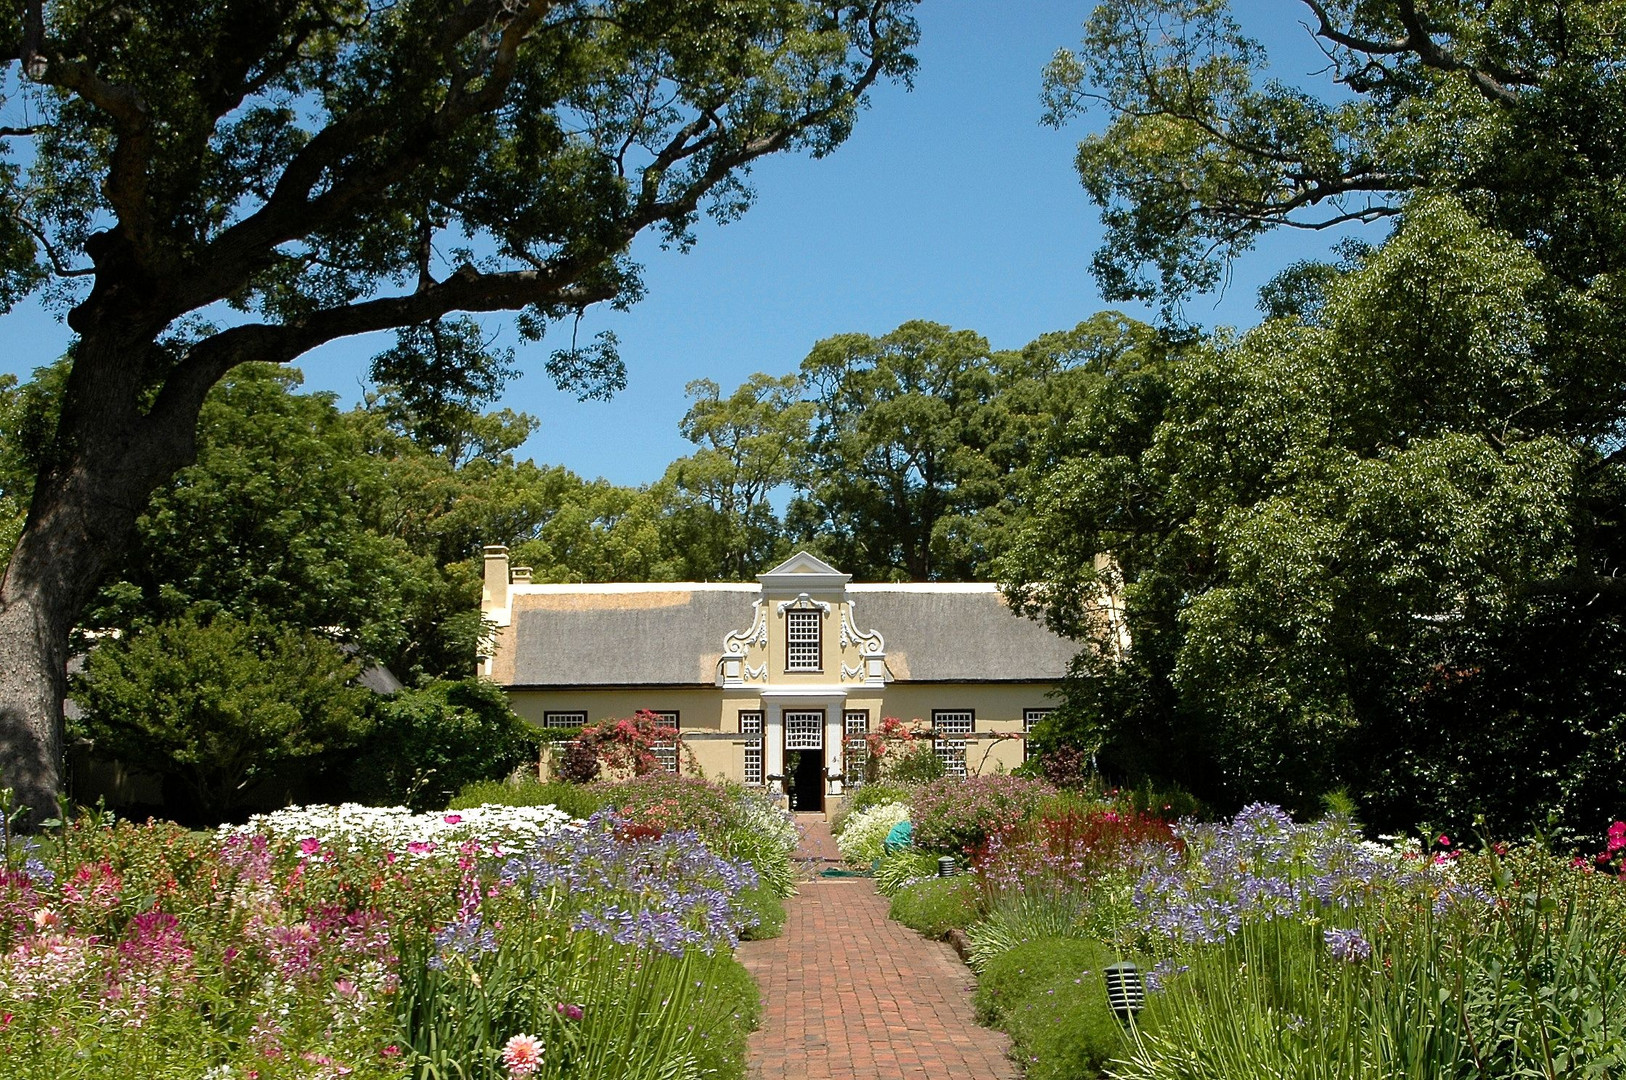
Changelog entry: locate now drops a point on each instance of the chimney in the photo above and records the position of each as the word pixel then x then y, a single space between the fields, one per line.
pixel 522 575
pixel 495 595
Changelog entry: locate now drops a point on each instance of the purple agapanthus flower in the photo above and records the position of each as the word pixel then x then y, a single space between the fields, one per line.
pixel 1347 944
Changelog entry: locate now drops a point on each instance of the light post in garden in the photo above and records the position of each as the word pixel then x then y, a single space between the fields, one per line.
pixel 1126 990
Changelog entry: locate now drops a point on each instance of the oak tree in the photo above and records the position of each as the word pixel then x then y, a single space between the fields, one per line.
pixel 202 185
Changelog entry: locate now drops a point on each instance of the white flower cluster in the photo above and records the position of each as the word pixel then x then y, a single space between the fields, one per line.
pixel 863 839
pixel 760 815
pixel 352 827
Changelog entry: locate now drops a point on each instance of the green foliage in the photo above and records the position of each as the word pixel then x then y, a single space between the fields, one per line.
pixel 428 742
pixel 901 868
pixel 1065 1031
pixel 872 794
pixel 1015 918
pixel 937 905
pixel 913 763
pixel 898 463
pixel 213 705
pixel 767 908
pixel 1018 975
pixel 577 800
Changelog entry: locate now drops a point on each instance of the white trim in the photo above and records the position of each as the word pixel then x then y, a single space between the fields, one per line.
pixel 794 693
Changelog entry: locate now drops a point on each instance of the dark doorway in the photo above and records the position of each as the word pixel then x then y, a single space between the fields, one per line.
pixel 804 769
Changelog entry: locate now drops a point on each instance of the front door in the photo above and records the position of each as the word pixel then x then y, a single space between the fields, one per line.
pixel 804 759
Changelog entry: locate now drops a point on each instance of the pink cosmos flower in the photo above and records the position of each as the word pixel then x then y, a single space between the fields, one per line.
pixel 1617 836
pixel 310 845
pixel 1444 840
pixel 522 1054
pixel 453 819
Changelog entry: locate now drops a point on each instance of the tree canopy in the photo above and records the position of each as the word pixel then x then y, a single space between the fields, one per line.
pixel 205 185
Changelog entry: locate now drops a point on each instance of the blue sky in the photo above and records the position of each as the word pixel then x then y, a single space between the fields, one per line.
pixel 950 203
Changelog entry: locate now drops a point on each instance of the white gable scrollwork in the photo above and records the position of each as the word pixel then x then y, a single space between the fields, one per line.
pixel 739 642
pixel 869 642
pixel 858 672
pixel 802 601
pixel 758 672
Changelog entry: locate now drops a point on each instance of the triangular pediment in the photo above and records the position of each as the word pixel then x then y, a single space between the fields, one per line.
pixel 803 563
pixel 802 573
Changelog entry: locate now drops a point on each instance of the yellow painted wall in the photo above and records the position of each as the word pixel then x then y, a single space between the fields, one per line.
pixel 998 708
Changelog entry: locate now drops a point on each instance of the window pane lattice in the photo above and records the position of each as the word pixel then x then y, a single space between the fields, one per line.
pixel 802 632
pixel 751 724
pixel 855 748
pixel 951 750
pixel 804 731
pixel 666 752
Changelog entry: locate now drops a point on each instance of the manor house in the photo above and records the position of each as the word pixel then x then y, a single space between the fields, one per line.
pixel 775 683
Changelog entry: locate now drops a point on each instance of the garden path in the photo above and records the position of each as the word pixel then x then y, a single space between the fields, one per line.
pixel 847 994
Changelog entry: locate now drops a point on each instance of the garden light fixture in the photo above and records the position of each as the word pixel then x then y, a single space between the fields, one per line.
pixel 946 867
pixel 1126 990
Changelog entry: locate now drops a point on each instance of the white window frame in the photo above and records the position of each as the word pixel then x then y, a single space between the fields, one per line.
pixel 751 724
pixel 567 718
pixel 804 639
pixel 854 746
pixel 947 723
pixel 804 729
pixel 667 752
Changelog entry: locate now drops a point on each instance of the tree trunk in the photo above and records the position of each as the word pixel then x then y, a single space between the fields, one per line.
pixel 104 464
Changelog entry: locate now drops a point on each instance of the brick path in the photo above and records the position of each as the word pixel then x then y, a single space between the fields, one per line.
pixel 847 994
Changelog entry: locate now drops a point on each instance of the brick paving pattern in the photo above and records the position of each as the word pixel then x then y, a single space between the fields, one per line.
pixel 847 994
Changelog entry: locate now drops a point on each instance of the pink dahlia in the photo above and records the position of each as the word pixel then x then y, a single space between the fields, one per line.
pixel 522 1054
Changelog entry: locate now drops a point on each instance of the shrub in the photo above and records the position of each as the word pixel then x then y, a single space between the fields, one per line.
pixel 955 816
pixel 914 762
pixel 1022 917
pixel 574 799
pixel 1065 1031
pixel 864 839
pixel 865 796
pixel 732 1009
pixel 212 705
pixel 767 910
pixel 1013 976
pixel 903 868
pixel 429 741
pixel 937 905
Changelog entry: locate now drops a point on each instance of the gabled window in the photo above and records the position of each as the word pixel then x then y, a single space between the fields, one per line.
pixel 804 641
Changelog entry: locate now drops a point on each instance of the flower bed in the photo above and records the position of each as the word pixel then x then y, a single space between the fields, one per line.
pixel 343 941
pixel 1276 948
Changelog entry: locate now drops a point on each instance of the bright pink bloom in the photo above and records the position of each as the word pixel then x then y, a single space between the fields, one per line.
pixel 453 819
pixel 569 1012
pixel 1617 836
pixel 522 1054
pixel 1444 840
pixel 310 845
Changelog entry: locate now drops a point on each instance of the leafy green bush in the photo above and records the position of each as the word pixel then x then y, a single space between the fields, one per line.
pixel 429 741
pixel 1011 977
pixel 573 799
pixel 1015 918
pixel 937 905
pixel 765 903
pixel 1064 1029
pixel 212 705
pixel 915 763
pixel 902 868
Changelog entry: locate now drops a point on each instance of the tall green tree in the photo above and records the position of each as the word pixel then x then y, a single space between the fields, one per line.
pixel 222 182
pixel 899 451
pixel 1373 542
pixel 751 444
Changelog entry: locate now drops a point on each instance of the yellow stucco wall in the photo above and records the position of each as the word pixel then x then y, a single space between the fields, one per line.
pixel 998 708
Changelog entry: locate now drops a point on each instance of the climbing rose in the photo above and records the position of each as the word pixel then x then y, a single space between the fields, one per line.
pixel 522 1054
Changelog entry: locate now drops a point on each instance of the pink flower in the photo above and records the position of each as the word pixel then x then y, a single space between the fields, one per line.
pixel 569 1012
pixel 1444 840
pixel 46 920
pixel 1617 836
pixel 310 845
pixel 453 819
pixel 391 1051
pixel 522 1054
